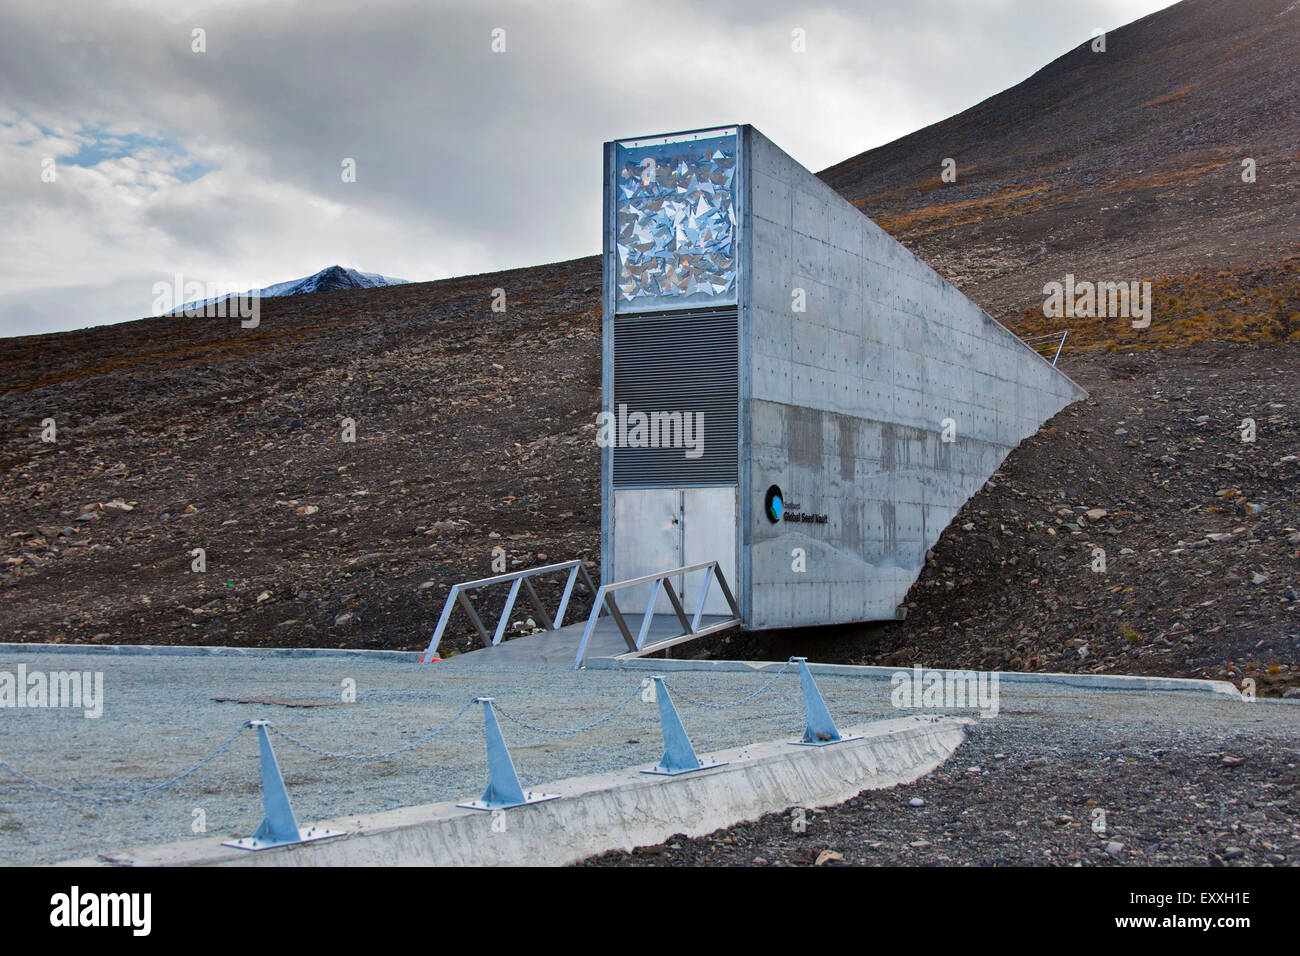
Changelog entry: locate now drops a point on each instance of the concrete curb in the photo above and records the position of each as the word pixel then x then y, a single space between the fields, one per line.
pixel 1087 681
pixel 165 650
pixel 602 812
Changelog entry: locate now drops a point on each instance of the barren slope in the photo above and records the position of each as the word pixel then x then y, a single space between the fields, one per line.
pixel 1120 165
pixel 475 429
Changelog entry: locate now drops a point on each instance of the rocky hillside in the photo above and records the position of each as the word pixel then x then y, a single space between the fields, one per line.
pixel 1119 165
pixel 474 429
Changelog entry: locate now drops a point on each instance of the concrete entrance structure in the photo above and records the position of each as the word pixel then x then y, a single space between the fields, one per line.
pixel 789 391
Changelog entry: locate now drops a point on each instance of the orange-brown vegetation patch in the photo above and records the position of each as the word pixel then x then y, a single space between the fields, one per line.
pixel 917 222
pixel 1249 304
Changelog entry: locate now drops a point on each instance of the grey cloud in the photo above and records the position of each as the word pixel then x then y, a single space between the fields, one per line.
pixel 500 151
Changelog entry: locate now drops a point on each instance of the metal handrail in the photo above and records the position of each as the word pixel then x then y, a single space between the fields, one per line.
pixel 690 628
pixel 1059 347
pixel 458 595
pixel 1046 339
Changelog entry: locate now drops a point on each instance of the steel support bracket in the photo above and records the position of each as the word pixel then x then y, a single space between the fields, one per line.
pixel 819 729
pixel 503 790
pixel 679 756
pixel 279 828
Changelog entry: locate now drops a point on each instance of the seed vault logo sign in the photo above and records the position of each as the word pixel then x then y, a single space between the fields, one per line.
pixel 774 505
pixel 778 509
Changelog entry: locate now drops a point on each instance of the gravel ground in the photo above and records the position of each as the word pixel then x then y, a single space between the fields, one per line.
pixel 1028 788
pixel 160 718
pixel 1062 745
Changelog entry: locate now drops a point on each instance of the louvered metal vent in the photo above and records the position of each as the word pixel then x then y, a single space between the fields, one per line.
pixel 680 364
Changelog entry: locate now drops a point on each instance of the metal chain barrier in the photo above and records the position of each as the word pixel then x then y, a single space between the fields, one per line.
pixel 680 694
pixel 330 755
pixel 378 756
pixel 125 798
pixel 576 730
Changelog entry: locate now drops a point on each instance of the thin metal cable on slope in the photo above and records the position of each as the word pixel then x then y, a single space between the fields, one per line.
pixel 127 797
pixel 678 693
pixel 329 755
pixel 576 730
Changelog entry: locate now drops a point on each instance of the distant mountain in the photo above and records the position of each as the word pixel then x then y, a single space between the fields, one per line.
pixel 330 279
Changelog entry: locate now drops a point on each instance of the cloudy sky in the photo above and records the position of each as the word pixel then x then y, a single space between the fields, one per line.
pixel 225 164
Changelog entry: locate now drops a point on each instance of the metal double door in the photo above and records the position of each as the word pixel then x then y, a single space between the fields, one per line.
pixel 656 529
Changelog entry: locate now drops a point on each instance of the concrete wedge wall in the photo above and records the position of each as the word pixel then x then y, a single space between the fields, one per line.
pixel 878 398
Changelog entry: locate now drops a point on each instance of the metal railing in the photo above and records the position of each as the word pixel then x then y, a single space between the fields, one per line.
pixel 459 594
pixel 1037 342
pixel 691 628
pixel 279 827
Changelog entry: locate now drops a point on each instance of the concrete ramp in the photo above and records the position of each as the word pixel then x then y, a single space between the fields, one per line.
pixel 559 648
pixel 609 631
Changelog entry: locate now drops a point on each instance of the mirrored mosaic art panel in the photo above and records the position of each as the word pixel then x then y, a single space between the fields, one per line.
pixel 676 223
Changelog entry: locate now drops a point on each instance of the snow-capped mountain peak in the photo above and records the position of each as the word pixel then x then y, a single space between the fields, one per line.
pixel 329 279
